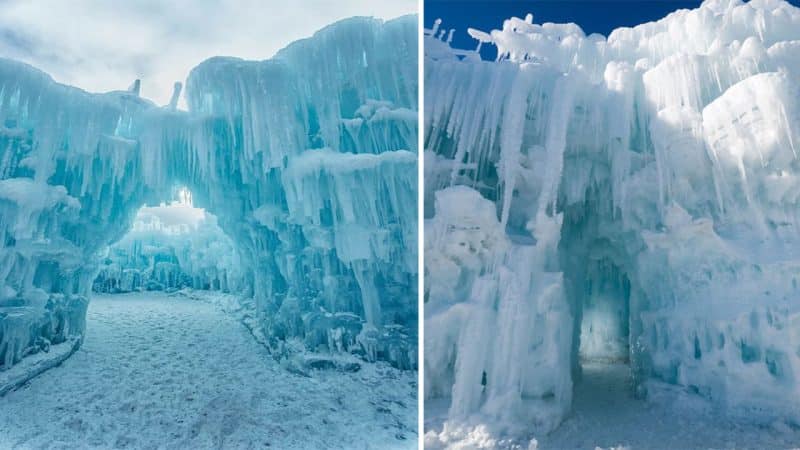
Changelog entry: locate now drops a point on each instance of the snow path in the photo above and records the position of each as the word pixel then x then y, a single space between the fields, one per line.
pixel 168 372
pixel 606 414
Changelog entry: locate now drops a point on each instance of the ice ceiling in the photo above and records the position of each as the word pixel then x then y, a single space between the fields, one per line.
pixel 307 159
pixel 631 198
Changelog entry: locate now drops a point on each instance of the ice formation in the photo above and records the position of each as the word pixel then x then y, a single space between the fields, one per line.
pixel 633 198
pixel 171 247
pixel 308 160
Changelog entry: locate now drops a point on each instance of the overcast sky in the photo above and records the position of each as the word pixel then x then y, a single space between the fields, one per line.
pixel 103 45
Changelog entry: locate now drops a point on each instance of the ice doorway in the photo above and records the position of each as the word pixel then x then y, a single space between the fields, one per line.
pixel 605 314
pixel 599 281
pixel 170 246
pixel 600 292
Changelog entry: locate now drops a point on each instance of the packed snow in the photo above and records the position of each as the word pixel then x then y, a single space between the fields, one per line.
pixel 606 415
pixel 162 370
pixel 626 200
pixel 307 160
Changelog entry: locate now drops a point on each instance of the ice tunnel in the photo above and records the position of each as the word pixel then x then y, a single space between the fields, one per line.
pixel 308 160
pixel 169 247
pixel 631 198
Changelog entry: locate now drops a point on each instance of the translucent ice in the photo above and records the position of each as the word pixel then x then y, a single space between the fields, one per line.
pixel 634 198
pixel 307 159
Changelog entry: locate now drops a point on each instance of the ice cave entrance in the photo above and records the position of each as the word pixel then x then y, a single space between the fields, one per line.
pixel 170 246
pixel 605 314
pixel 604 376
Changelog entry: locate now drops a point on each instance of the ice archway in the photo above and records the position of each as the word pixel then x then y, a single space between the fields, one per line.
pixel 171 246
pixel 308 160
pixel 651 175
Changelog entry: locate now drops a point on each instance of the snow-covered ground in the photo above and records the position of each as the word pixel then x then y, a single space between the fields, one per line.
pixel 161 371
pixel 606 415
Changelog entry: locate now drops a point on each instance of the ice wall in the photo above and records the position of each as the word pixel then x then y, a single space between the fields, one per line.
pixel 662 161
pixel 496 315
pixel 308 160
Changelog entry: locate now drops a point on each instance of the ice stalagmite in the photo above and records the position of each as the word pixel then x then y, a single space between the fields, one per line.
pixel 630 198
pixel 308 160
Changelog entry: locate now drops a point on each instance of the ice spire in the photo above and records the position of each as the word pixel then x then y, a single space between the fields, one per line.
pixel 436 24
pixel 176 94
pixel 135 87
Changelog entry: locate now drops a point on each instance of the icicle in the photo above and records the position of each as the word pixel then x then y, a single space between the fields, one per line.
pixel 556 141
pixel 511 136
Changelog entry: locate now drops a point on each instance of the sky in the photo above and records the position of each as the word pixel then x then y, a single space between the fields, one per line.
pixel 593 16
pixel 102 45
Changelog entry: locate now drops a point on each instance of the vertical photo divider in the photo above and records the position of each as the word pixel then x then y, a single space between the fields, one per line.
pixel 421 225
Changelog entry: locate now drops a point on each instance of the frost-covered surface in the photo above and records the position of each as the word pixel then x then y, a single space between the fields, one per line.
pixel 606 415
pixel 308 160
pixel 171 247
pixel 32 366
pixel 633 198
pixel 147 353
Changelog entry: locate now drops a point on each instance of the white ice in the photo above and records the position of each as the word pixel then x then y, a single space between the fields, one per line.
pixel 630 199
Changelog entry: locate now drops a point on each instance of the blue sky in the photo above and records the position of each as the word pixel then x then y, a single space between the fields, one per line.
pixel 594 16
pixel 103 45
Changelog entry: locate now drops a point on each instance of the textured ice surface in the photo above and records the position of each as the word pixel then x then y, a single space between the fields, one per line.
pixel 630 198
pixel 307 159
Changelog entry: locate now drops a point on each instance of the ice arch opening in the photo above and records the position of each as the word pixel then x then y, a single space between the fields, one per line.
pixel 647 175
pixel 318 195
pixel 605 314
pixel 171 246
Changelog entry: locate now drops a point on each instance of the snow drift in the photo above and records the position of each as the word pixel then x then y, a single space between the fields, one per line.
pixel 308 160
pixel 633 198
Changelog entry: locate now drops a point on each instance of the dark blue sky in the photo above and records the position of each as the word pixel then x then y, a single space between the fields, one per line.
pixel 594 16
